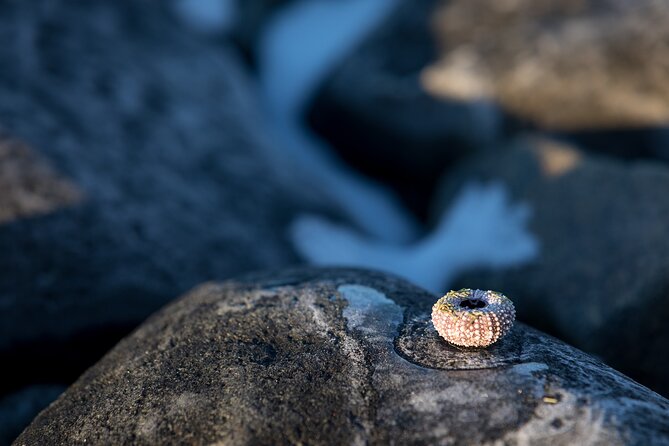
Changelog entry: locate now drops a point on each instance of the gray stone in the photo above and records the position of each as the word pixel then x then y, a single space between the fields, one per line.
pixel 377 115
pixel 132 167
pixel 601 281
pixel 340 357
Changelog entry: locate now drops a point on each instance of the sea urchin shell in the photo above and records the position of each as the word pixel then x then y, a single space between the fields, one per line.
pixel 473 318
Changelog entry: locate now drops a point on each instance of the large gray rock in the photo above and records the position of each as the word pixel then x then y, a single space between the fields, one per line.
pixel 601 281
pixel 374 110
pixel 340 357
pixel 132 167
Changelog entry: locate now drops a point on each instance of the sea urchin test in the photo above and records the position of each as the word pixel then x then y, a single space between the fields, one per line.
pixel 473 318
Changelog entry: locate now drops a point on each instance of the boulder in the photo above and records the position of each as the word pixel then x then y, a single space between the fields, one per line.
pixel 375 112
pixel 563 65
pixel 601 279
pixel 132 167
pixel 340 357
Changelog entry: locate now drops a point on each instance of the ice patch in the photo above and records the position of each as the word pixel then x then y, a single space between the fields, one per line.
pixel 481 229
pixel 207 16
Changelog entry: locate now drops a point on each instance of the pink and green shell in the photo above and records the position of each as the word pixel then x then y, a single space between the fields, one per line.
pixel 473 318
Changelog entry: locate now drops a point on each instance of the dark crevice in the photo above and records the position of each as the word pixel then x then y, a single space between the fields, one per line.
pixel 56 361
pixel 473 304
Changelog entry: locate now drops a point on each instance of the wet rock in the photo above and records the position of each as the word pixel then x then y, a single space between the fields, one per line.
pixel 375 112
pixel 567 65
pixel 601 280
pixel 340 357
pixel 132 167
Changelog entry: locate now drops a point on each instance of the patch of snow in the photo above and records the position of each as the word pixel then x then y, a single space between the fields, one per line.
pixel 481 229
pixel 297 50
pixel 207 16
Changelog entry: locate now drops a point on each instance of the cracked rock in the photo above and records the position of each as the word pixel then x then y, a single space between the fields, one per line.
pixel 340 357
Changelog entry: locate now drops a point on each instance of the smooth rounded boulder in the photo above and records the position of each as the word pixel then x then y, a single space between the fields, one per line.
pixel 340 357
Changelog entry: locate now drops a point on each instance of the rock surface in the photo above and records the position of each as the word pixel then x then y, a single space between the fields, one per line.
pixel 601 281
pixel 131 169
pixel 340 357
pixel 239 21
pixel 575 64
pixel 374 111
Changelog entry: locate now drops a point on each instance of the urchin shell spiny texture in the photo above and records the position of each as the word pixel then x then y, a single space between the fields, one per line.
pixel 473 318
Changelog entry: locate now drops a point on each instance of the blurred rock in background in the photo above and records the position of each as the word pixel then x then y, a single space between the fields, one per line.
pixel 134 166
pixel 240 22
pixel 591 72
pixel 601 281
pixel 29 185
pixel 252 16
pixel 588 69
pixel 375 112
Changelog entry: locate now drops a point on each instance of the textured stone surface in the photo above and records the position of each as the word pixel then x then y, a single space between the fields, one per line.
pixel 601 281
pixel 132 168
pixel 573 64
pixel 340 357
pixel 374 110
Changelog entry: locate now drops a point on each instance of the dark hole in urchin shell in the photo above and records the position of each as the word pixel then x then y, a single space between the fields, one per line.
pixel 473 304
